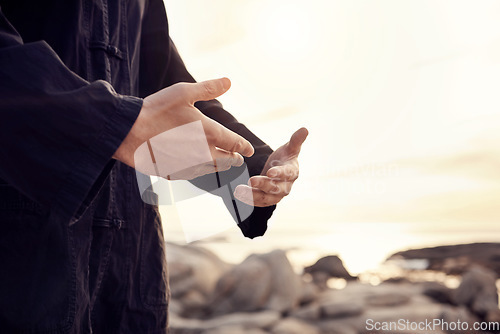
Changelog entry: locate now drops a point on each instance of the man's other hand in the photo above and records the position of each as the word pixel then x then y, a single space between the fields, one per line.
pixel 279 173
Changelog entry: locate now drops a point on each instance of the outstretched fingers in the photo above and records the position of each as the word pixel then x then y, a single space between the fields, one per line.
pixel 224 160
pixel 255 197
pixel 297 140
pixel 287 172
pixel 223 138
pixel 270 185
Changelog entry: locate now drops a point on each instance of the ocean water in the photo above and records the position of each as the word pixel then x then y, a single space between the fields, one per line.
pixel 363 246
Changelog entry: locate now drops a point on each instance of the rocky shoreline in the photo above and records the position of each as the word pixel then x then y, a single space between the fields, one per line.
pixel 263 294
pixel 456 259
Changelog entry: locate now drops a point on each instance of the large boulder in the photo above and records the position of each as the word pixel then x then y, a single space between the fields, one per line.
pixel 478 291
pixel 310 292
pixel 286 286
pixel 246 287
pixel 332 266
pixel 264 281
pixel 193 268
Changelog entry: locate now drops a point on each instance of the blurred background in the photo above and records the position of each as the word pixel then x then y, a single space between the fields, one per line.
pixel 402 102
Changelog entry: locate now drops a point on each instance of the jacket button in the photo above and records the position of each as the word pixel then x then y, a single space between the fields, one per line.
pixel 117 223
pixel 112 50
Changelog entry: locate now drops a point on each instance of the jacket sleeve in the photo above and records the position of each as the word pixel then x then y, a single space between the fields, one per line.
pixel 58 132
pixel 162 66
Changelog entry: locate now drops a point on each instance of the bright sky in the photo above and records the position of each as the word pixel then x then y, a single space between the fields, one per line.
pixel 402 100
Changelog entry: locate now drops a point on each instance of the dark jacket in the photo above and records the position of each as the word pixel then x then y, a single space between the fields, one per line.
pixel 79 249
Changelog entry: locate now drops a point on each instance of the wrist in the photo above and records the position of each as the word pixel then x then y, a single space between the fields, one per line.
pixel 137 135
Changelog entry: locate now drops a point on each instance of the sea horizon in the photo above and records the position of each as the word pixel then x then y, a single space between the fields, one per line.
pixel 362 246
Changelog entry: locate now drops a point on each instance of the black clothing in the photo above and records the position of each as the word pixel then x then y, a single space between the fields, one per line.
pixel 80 251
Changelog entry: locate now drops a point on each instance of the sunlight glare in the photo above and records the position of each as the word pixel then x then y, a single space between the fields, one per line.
pixel 285 33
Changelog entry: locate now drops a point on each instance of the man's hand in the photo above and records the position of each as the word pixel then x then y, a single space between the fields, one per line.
pixel 171 108
pixel 277 177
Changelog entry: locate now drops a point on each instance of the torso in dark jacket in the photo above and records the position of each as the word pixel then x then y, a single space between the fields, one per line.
pixel 107 270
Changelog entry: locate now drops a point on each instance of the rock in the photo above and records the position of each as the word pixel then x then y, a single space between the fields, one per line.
pixel 415 308
pixel 246 287
pixel 286 286
pixel 255 331
pixel 359 293
pixel 387 299
pixel 457 259
pixel 309 293
pixel 478 291
pixel 178 270
pixel 193 304
pixel 399 280
pixel 455 265
pixel 493 316
pixel 226 330
pixel 237 321
pixel 454 319
pixel 175 306
pixel 334 309
pixel 260 282
pixel 180 325
pixel 264 319
pixel 320 280
pixel 235 330
pixel 294 326
pixel 438 292
pixel 193 268
pixel 338 327
pixel 415 312
pixel 309 312
pixel 331 265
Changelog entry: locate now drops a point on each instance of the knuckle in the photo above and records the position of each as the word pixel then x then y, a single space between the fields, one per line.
pixel 210 88
pixel 239 160
pixel 210 136
pixel 214 134
pixel 237 146
pixel 274 188
pixel 223 167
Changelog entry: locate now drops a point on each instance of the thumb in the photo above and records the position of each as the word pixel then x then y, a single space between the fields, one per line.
pixel 297 140
pixel 210 89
